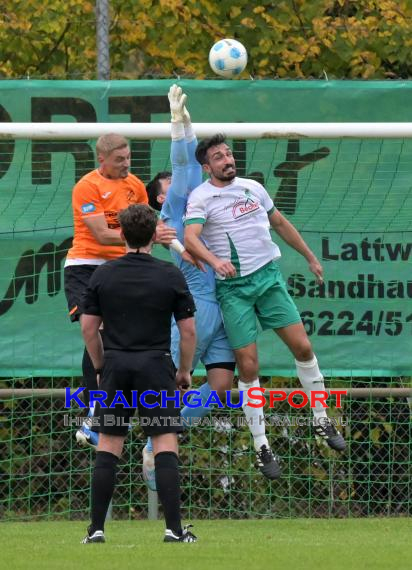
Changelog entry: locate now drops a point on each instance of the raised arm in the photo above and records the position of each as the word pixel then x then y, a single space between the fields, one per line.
pixel 174 205
pixel 186 171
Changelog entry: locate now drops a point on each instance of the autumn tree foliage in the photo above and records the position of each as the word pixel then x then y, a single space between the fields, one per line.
pixel 368 39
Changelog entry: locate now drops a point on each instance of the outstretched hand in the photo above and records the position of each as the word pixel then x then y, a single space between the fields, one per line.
pixel 177 100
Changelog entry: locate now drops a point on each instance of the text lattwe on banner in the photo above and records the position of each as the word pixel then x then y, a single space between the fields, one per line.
pixel 350 199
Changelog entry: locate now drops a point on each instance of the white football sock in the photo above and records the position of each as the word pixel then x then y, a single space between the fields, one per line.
pixel 311 379
pixel 254 416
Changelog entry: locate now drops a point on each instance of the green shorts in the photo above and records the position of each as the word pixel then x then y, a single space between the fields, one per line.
pixel 262 295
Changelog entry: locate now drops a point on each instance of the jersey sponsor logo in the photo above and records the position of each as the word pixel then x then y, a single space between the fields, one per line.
pixel 244 206
pixel 106 195
pixel 88 208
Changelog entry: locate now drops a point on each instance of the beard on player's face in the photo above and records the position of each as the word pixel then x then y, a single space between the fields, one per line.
pixel 226 173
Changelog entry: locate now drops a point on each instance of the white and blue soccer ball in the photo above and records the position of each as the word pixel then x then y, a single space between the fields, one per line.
pixel 228 58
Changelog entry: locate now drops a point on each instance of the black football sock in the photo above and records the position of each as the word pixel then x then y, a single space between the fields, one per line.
pixel 103 482
pixel 168 488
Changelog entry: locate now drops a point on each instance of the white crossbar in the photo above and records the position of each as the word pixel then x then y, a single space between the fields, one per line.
pixel 75 131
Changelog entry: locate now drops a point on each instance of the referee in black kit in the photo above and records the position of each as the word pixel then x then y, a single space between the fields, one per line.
pixel 136 296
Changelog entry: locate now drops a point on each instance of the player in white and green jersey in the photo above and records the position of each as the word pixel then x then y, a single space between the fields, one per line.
pixel 226 213
pixel 233 216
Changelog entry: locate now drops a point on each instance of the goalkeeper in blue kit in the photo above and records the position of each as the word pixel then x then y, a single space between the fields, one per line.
pixel 169 194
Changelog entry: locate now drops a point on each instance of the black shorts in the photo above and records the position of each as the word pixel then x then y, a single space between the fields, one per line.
pixel 76 279
pixel 138 371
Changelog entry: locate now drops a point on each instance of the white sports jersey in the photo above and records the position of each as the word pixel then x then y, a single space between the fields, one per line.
pixel 235 223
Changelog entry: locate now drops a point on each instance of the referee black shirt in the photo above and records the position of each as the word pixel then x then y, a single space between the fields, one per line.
pixel 136 296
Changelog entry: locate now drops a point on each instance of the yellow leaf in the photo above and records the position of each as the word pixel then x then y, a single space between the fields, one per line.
pixel 248 23
pixel 235 11
pixel 375 435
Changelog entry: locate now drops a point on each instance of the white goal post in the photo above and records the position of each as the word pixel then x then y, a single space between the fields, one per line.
pixel 75 131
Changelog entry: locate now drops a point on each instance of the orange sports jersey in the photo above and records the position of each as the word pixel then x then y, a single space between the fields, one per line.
pixel 94 195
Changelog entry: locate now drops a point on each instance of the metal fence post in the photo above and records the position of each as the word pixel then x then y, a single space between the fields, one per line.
pixel 102 39
pixel 152 505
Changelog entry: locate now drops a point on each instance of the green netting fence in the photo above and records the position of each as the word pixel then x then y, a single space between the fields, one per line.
pixel 44 474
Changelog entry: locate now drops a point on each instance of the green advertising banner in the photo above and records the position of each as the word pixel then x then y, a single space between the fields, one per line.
pixel 350 199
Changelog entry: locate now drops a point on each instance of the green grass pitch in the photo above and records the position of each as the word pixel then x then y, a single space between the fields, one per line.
pixel 307 544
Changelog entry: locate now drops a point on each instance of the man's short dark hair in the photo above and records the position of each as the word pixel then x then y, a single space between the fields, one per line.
pixel 154 188
pixel 205 144
pixel 138 223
